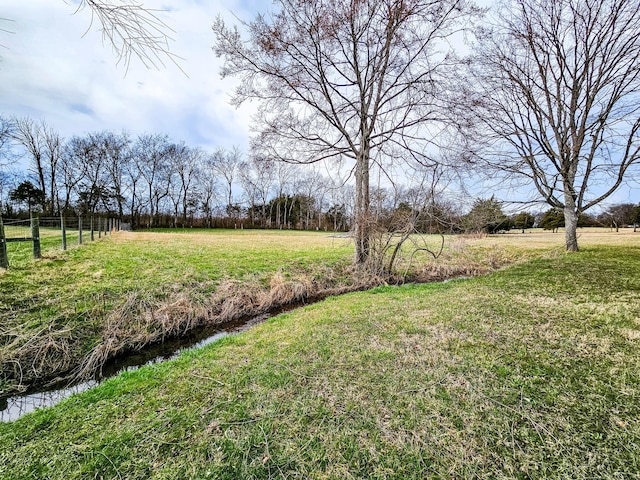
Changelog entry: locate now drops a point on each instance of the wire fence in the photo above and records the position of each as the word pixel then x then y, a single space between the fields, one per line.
pixel 24 239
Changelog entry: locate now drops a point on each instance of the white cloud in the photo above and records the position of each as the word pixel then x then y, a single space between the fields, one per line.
pixel 50 71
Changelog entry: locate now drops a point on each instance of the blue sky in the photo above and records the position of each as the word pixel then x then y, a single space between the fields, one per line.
pixel 55 67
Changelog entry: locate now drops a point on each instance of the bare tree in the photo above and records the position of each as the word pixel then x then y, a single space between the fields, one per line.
pixel 226 163
pixel 208 186
pixel 70 173
pixel 27 133
pixel 559 84
pixel 151 163
pixel 311 185
pixel 117 151
pixel 184 165
pixel 621 214
pixel 52 151
pixel 89 156
pixel 257 179
pixel 343 78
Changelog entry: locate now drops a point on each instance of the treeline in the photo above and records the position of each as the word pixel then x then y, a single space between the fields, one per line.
pixel 151 181
pixel 487 215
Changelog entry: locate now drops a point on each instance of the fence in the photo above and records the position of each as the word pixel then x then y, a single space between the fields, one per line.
pixel 49 233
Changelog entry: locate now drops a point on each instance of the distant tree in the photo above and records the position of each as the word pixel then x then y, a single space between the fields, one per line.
pixel 28 134
pixel 117 150
pixel 440 217
pixel 558 89
pixel 257 179
pixel 227 163
pixel 208 186
pixel 336 216
pixel 619 215
pixel 524 220
pixel 93 198
pixel 311 187
pixel 184 166
pixel 486 215
pixel 151 163
pixel 92 154
pixel 552 219
pixel 27 193
pixel 588 220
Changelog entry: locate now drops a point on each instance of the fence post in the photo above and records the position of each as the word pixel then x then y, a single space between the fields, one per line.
pixel 4 259
pixel 79 230
pixel 92 239
pixel 35 237
pixel 64 232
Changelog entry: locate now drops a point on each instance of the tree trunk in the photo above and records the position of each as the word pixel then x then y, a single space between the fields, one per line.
pixel 570 227
pixel 362 212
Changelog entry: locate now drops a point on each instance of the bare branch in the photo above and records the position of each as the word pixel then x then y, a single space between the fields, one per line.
pixel 132 31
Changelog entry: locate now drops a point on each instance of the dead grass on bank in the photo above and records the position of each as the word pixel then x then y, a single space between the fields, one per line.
pixel 141 320
pixel 139 323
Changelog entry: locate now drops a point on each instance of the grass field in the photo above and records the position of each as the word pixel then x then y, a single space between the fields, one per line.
pixel 71 311
pixel 529 372
pixel 56 310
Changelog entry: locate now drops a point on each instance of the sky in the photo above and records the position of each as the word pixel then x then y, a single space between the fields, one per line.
pixel 55 67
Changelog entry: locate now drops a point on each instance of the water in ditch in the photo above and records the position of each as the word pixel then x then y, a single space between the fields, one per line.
pixel 14 407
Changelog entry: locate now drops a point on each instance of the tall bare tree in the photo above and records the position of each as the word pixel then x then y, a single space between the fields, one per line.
pixel 151 164
pixel 207 185
pixel 559 89
pixel 184 165
pixel 116 149
pixel 28 134
pixel 257 179
pixel 343 78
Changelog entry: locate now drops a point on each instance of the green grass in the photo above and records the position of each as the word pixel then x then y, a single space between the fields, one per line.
pixel 530 372
pixel 65 299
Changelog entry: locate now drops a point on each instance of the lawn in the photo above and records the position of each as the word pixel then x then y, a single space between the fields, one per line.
pixel 528 372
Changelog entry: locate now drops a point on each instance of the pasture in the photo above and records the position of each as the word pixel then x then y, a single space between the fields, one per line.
pixel 527 372
pixel 71 311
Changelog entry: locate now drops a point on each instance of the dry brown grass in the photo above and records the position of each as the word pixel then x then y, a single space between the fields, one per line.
pixel 140 322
